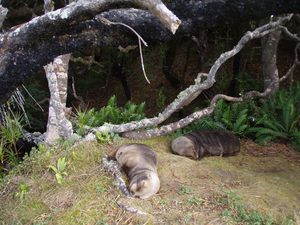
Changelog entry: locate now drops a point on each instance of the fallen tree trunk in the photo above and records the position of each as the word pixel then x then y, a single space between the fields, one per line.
pixel 27 48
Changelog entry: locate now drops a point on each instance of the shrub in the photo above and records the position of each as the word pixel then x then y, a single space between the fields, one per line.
pixel 109 114
pixel 227 116
pixel 280 118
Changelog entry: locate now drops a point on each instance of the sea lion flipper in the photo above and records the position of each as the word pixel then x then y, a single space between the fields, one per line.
pixel 113 154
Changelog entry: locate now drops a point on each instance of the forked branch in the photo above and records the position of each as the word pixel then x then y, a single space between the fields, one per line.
pixel 184 96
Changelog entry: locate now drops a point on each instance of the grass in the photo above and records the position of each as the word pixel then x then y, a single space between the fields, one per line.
pixel 88 194
pixel 83 197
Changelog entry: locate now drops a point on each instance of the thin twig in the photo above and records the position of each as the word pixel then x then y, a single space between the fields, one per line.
pixel 107 22
pixel 32 98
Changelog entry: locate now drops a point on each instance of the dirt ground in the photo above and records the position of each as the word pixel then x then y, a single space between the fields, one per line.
pixel 264 176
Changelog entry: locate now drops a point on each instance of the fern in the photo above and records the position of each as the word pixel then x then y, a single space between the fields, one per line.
pixel 280 117
pixel 109 114
pixel 112 102
pixel 232 117
pixel 227 114
pixel 215 125
pixel 141 108
pixel 131 109
pixel 269 132
pixel 218 112
pixel 239 125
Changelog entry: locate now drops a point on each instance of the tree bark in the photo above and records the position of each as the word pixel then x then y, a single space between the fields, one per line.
pixel 3 12
pixel 269 45
pixel 34 44
pixel 58 125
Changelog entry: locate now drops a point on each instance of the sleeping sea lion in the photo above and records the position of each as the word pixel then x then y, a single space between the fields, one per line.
pixel 139 163
pixel 200 143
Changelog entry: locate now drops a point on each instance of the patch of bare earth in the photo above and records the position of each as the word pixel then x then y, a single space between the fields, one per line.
pixel 266 178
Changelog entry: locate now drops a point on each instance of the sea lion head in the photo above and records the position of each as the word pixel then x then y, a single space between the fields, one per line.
pixel 185 147
pixel 144 185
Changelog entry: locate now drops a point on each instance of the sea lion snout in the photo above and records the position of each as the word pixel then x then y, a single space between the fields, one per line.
pixel 144 186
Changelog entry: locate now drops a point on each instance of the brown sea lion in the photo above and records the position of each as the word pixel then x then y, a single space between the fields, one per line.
pixel 139 163
pixel 200 143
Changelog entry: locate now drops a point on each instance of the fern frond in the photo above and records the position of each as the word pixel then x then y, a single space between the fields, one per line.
pixel 266 139
pixel 218 112
pixel 215 126
pixel 128 105
pixel 241 129
pixel 282 94
pixel 88 116
pixel 227 114
pixel 141 108
pixel 112 102
pixel 270 132
pixel 240 122
pixel 234 110
pixel 275 125
pixel 286 114
pixel 131 109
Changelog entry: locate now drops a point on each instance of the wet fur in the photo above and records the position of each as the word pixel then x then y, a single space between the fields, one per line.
pixel 139 163
pixel 201 143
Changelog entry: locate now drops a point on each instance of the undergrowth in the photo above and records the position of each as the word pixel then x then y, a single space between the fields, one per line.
pixel 236 213
pixel 275 120
pixel 109 114
pixel 33 193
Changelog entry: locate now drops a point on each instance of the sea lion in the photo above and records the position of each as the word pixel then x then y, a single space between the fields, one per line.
pixel 139 163
pixel 200 143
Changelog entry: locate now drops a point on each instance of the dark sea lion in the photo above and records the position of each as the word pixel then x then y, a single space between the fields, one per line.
pixel 139 163
pixel 200 143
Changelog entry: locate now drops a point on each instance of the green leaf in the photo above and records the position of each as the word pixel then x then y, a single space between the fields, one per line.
pixel 141 109
pixel 54 168
pixel 59 178
pixel 132 108
pixel 227 114
pixel 240 122
pixel 24 187
pixel 61 164
pixel 112 102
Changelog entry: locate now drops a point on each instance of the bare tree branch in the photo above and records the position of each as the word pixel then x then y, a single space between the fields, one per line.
pixel 185 95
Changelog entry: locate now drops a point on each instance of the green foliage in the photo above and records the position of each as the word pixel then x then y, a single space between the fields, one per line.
pixel 238 213
pixel 103 139
pixel 59 171
pixel 226 116
pixel 280 118
pixel 109 114
pixel 24 189
pixel 10 132
pixel 195 200
pixel 184 190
